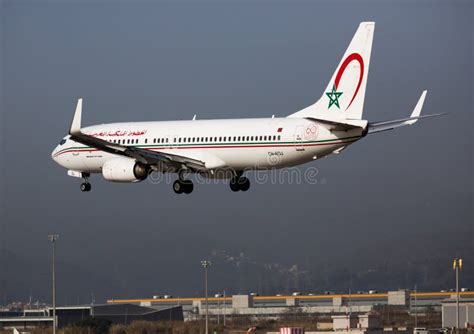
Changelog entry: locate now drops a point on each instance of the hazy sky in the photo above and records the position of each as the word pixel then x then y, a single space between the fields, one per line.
pixel 395 198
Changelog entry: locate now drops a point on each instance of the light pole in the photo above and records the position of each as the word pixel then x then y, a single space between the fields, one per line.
pixel 218 312
pixel 224 308
pixel 53 238
pixel 416 314
pixel 206 264
pixel 457 265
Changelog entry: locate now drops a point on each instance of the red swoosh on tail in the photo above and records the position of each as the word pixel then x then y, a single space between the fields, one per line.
pixel 347 61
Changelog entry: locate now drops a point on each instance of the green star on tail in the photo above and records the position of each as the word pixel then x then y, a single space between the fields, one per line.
pixel 333 97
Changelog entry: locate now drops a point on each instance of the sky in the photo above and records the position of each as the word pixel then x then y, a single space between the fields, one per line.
pixel 398 204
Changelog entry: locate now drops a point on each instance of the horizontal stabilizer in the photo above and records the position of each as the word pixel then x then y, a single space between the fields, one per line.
pixel 414 117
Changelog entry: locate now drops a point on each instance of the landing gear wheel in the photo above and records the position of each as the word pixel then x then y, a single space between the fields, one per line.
pixel 178 187
pixel 86 187
pixel 244 183
pixel 239 183
pixel 188 186
pixel 234 185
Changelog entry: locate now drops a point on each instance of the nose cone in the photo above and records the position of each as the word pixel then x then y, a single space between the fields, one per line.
pixel 54 154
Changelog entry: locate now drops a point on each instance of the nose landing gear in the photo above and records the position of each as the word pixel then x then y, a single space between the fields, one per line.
pixel 85 186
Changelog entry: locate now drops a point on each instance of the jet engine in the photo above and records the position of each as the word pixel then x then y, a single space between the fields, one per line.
pixel 124 170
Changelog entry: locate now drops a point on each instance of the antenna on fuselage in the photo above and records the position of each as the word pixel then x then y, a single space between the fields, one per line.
pixel 194 117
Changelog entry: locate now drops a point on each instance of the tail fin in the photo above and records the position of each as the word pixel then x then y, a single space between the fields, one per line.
pixel 344 95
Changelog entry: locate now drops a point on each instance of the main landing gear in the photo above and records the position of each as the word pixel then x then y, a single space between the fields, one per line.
pixel 85 186
pixel 183 186
pixel 239 183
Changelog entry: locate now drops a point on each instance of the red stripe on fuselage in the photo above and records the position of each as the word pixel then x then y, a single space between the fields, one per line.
pixel 216 147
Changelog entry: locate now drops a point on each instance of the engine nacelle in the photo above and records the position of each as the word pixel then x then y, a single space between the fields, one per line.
pixel 124 170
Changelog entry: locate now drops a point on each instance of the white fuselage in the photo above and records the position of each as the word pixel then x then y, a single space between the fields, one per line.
pixel 238 144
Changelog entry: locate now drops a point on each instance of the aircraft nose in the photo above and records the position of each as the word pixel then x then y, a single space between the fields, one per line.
pixel 53 153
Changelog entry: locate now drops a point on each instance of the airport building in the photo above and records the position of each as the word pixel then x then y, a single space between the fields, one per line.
pixel 276 306
pixel 466 313
pixel 354 311
pixel 67 315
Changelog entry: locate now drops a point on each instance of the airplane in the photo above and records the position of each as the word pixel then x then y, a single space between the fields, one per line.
pixel 228 148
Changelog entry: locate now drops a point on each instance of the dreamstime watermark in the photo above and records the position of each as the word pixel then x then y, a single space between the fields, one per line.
pixel 286 175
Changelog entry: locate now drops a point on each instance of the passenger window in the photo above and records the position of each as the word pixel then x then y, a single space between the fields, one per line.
pixel 166 139
pixel 179 140
pixel 194 138
pixel 224 138
pixel 274 138
pixel 248 138
pixel 279 137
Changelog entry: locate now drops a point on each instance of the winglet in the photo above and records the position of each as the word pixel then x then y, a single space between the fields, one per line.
pixel 417 110
pixel 76 121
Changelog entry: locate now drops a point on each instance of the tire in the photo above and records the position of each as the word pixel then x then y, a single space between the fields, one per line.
pixel 244 183
pixel 234 185
pixel 85 187
pixel 188 187
pixel 178 187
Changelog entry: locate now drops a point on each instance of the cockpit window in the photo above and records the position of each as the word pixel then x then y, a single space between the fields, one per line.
pixel 62 141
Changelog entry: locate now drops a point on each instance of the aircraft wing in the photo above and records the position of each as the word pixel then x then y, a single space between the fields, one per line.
pixel 171 161
pixel 414 117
